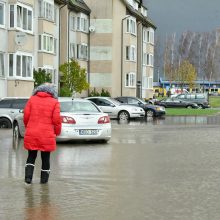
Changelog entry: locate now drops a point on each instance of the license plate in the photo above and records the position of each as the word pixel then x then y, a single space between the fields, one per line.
pixel 88 132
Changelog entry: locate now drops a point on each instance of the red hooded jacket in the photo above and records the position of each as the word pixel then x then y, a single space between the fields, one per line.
pixel 42 122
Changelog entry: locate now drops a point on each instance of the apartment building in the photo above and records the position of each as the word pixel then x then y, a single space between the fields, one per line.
pixel 121 47
pixel 29 31
pixel 74 35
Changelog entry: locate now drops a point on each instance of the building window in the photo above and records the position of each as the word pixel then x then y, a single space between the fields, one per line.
pixel 72 51
pixel 133 3
pixel 144 11
pixel 150 36
pixel 47 43
pixel 21 17
pixel 2 64
pixel 48 70
pixel 23 68
pixel 82 24
pixel 150 82
pixel 82 51
pixel 130 53
pixel 131 26
pixel 130 80
pixel 46 10
pixel 72 23
pixel 2 14
pixel 150 60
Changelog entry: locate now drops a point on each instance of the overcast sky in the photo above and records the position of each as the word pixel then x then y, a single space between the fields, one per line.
pixel 182 15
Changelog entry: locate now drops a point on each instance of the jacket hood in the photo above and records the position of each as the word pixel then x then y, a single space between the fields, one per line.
pixel 48 88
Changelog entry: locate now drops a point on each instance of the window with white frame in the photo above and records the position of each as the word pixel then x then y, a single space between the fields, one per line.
pixel 150 82
pixel 82 24
pixel 144 11
pixel 133 3
pixel 72 23
pixel 150 35
pixel 131 26
pixel 130 53
pixel 72 50
pixel 82 51
pixel 2 14
pixel 150 60
pixel 46 9
pixel 144 58
pixel 21 17
pixel 144 36
pixel 47 43
pixel 2 64
pixel 48 70
pixel 20 65
pixel 130 79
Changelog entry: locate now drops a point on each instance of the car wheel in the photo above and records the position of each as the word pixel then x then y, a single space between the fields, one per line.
pixel 5 123
pixel 189 106
pixel 149 113
pixel 16 131
pixel 123 115
pixel 200 106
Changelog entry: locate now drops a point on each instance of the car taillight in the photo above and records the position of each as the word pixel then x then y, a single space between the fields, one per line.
pixel 67 120
pixel 104 120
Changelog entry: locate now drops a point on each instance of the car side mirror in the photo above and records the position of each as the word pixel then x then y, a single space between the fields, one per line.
pixel 112 105
pixel 21 110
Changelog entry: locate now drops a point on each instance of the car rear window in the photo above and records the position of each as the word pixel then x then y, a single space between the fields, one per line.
pixel 75 106
pixel 19 103
pixel 5 103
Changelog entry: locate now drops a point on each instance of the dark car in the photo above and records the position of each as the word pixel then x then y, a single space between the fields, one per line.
pixel 176 103
pixel 150 110
pixel 201 99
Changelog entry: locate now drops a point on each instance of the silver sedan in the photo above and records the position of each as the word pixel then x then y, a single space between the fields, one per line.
pixel 81 119
pixel 117 110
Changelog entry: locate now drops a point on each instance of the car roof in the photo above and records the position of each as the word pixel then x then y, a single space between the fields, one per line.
pixel 60 99
pixel 5 98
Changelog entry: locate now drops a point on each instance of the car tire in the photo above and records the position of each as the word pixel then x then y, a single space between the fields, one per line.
pixel 200 106
pixel 123 115
pixel 5 123
pixel 189 106
pixel 16 131
pixel 149 113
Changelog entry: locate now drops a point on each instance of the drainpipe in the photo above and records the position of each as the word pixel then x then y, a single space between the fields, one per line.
pixel 139 76
pixel 60 8
pixel 122 49
pixel 88 63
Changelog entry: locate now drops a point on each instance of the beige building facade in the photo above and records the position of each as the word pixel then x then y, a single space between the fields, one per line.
pixel 112 39
pixel 122 48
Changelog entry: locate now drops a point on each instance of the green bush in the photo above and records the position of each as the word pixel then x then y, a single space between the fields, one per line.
pixel 103 93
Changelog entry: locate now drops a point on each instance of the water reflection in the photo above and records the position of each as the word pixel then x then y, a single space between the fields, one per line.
pixel 38 205
pixel 173 120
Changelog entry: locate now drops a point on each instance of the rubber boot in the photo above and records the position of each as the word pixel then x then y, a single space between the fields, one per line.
pixel 29 170
pixel 44 176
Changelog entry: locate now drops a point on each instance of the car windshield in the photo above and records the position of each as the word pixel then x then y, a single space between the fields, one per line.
pixel 76 106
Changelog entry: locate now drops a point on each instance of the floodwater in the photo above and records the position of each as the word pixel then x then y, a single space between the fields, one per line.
pixel 163 169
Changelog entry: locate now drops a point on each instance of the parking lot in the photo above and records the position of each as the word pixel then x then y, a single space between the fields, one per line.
pixel 159 169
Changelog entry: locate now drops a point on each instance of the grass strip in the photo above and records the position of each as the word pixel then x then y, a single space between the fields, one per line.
pixel 194 112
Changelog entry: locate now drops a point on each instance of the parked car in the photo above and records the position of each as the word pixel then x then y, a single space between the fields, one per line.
pixel 117 110
pixel 81 120
pixel 176 103
pixel 9 108
pixel 201 99
pixel 150 110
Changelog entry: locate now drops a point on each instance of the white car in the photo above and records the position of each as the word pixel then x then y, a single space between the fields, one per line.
pixel 115 109
pixel 81 120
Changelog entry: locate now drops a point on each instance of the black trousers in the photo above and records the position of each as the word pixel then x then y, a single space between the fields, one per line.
pixel 45 158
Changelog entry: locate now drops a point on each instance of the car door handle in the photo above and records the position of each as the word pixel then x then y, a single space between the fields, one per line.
pixel 12 112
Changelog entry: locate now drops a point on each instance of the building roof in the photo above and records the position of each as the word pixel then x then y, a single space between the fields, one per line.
pixel 79 6
pixel 145 20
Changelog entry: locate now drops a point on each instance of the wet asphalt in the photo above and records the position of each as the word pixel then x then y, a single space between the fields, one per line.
pixel 163 169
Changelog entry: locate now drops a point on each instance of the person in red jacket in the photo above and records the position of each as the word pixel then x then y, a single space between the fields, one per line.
pixel 43 123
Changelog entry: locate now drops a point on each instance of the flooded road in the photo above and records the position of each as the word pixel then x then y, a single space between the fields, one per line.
pixel 160 169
